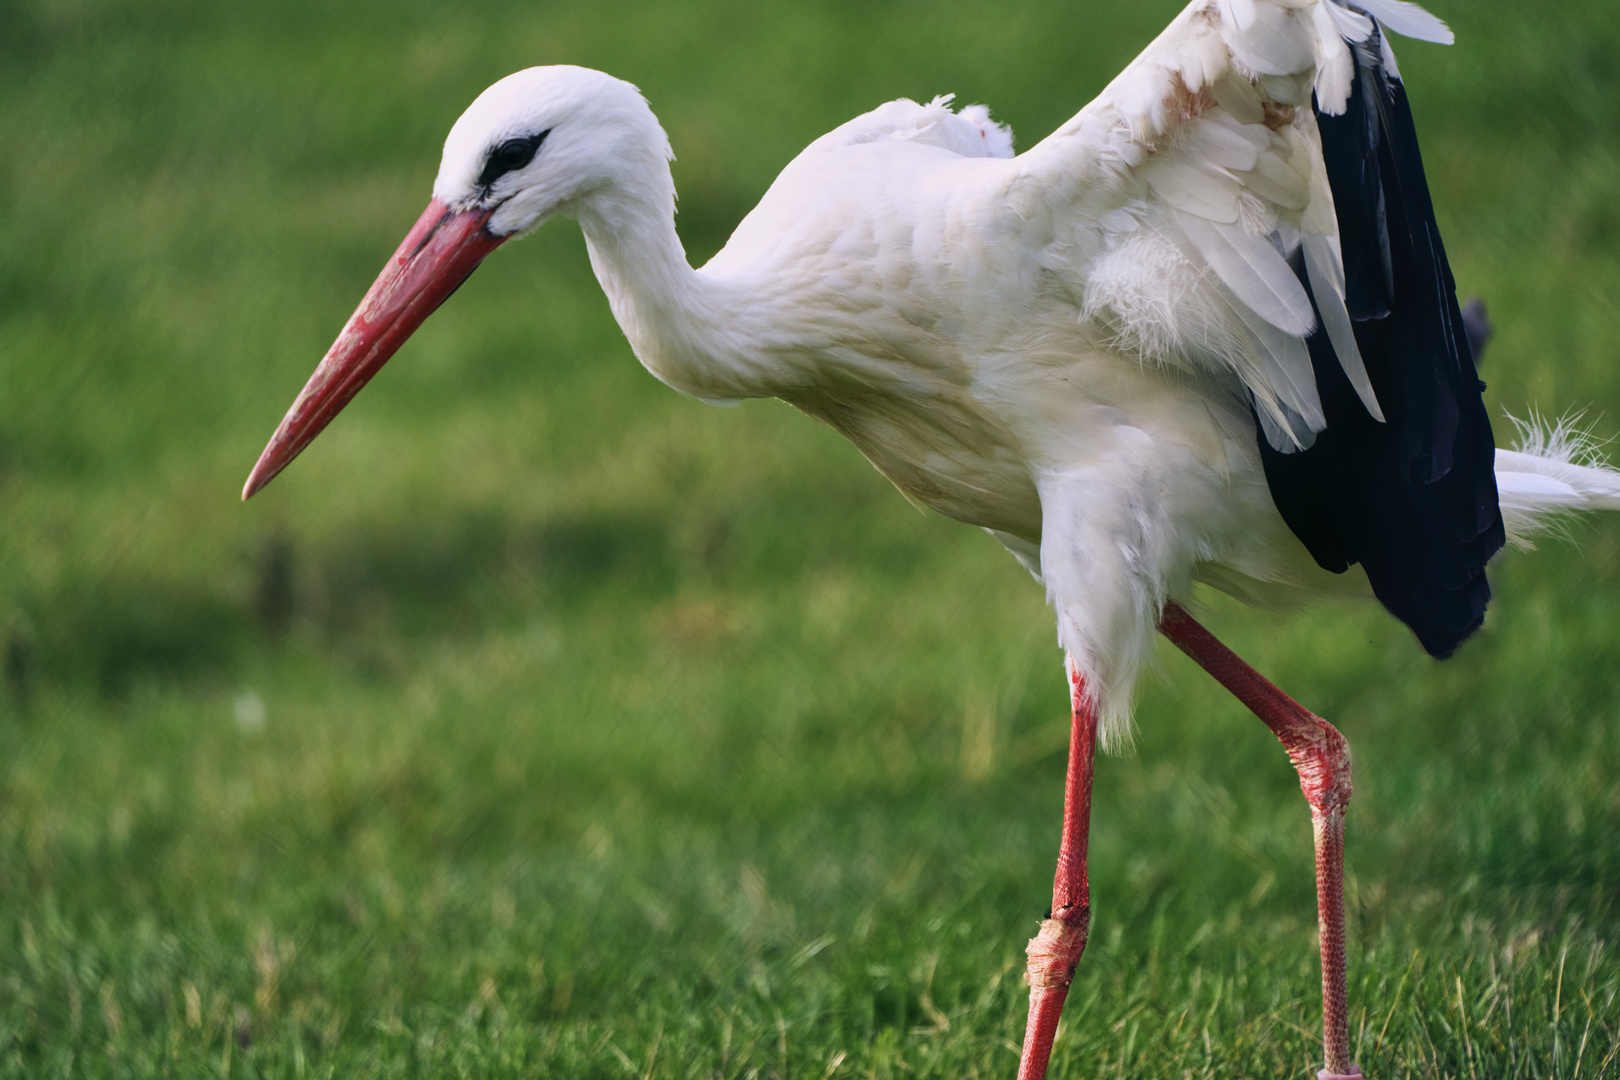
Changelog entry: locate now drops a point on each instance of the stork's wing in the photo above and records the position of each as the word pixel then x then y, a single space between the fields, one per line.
pixel 1200 168
pixel 1249 194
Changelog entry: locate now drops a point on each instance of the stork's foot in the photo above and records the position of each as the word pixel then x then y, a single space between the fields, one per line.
pixel 1353 1074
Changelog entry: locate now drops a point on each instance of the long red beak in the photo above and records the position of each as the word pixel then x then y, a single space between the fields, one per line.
pixel 437 255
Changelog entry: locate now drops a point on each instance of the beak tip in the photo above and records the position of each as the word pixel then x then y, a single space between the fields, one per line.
pixel 263 472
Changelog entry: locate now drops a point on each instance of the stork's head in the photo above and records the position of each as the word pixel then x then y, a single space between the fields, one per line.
pixel 542 142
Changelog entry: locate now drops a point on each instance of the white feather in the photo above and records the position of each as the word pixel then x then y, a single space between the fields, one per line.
pixel 1277 43
pixel 1289 89
pixel 1335 67
pixel 1190 184
pixel 1327 284
pixel 1275 180
pixel 1293 403
pixel 1224 141
pixel 1408 20
pixel 1240 98
pixel 1352 25
pixel 1240 13
pixel 1556 470
pixel 1255 272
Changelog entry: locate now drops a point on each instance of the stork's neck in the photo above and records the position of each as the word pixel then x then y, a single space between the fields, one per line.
pixel 688 330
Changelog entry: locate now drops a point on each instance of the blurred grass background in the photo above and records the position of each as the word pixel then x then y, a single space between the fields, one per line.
pixel 541 722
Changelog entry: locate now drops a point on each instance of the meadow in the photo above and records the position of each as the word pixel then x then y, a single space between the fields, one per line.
pixel 542 722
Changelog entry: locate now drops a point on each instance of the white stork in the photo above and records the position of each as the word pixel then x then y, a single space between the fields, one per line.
pixel 1205 331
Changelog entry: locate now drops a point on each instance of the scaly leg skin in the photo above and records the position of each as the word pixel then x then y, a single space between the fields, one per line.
pixel 1054 952
pixel 1322 758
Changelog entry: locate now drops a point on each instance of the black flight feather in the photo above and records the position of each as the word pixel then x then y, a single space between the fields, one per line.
pixel 1412 500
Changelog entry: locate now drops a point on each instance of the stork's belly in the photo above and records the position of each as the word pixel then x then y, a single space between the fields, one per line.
pixel 941 452
pixel 1183 444
pixel 992 490
pixel 977 455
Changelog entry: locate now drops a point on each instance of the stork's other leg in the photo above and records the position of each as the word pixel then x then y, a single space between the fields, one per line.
pixel 1322 758
pixel 1054 952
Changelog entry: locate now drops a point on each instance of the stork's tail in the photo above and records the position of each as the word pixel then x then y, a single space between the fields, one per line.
pixel 1556 471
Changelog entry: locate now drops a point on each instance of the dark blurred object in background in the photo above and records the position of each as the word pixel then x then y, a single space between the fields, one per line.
pixel 275 601
pixel 1477 327
pixel 19 665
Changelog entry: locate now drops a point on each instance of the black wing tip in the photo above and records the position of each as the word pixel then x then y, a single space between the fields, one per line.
pixel 1413 500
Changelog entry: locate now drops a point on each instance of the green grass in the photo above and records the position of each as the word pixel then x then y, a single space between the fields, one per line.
pixel 540 722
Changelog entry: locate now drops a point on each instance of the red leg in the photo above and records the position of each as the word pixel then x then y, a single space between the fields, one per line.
pixel 1322 758
pixel 1054 952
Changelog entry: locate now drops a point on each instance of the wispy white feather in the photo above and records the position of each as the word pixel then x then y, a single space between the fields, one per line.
pixel 1557 470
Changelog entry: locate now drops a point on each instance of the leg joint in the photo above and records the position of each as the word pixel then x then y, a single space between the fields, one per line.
pixel 1321 756
pixel 1055 951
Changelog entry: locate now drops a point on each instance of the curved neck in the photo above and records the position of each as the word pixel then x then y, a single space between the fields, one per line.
pixel 684 328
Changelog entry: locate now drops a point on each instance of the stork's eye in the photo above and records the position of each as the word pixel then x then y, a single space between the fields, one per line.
pixel 509 155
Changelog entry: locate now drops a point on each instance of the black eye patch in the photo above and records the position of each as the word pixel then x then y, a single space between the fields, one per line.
pixel 509 155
